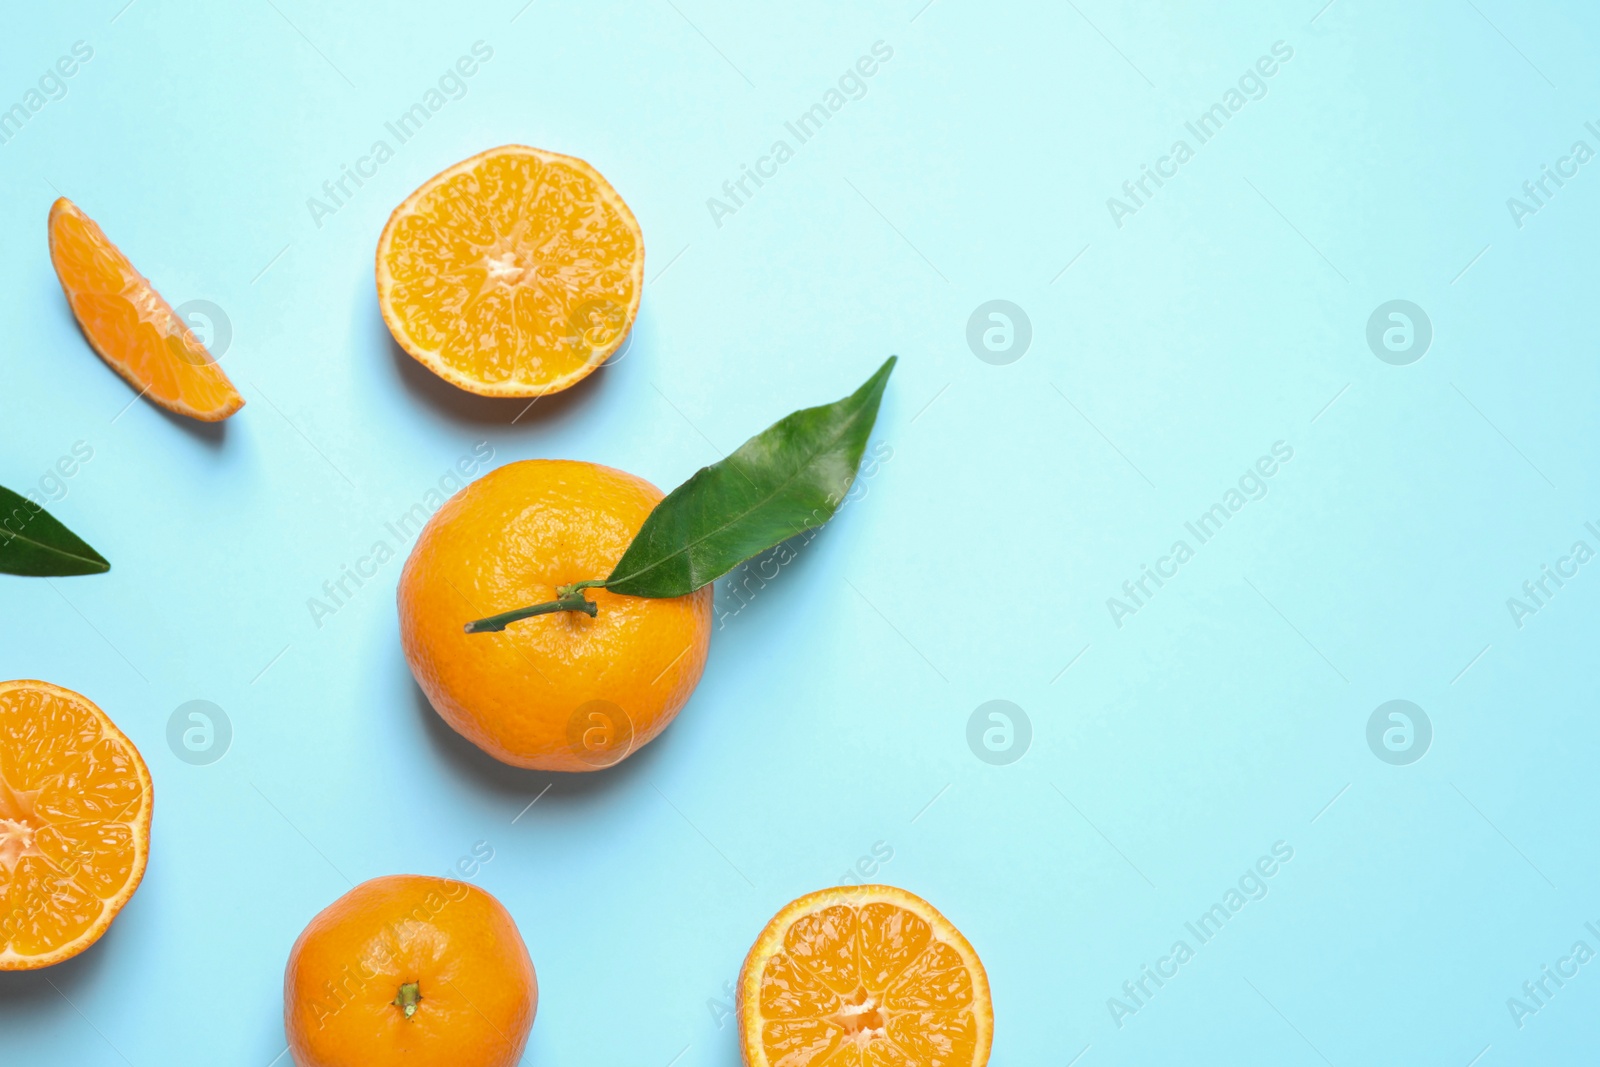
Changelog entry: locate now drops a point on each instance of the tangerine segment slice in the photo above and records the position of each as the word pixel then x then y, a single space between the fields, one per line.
pixel 128 323
pixel 514 273
pixel 863 976
pixel 75 803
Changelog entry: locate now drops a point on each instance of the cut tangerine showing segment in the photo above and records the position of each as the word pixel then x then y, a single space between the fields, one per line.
pixel 863 976
pixel 131 326
pixel 75 802
pixel 514 273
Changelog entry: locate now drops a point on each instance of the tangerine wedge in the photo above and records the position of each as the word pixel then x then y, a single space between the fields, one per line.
pixel 514 273
pixel 863 976
pixel 131 326
pixel 75 802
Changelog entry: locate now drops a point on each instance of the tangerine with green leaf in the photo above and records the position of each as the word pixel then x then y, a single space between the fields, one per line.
pixel 568 691
pixel 558 614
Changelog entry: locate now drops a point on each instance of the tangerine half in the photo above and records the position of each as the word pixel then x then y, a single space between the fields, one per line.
pixel 75 803
pixel 513 273
pixel 863 976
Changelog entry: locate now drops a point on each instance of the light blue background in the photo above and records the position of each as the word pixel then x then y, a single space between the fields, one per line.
pixel 1227 314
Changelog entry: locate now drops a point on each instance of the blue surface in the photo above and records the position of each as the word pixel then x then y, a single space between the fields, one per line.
pixel 1227 313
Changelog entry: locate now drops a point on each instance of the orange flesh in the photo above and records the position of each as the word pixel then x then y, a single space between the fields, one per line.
pixel 129 324
pixel 74 823
pixel 873 984
pixel 513 273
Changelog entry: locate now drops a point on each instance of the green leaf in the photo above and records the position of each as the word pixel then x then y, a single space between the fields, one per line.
pixel 34 543
pixel 787 479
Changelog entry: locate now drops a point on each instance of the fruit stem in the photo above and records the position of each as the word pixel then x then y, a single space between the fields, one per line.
pixel 410 996
pixel 568 598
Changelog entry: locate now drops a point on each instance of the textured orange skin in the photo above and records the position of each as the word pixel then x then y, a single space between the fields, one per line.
pixel 163 359
pixel 748 999
pixel 141 838
pixel 460 946
pixel 508 540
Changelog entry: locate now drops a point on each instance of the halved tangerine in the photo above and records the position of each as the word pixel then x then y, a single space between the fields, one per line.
pixel 75 802
pixel 514 273
pixel 863 976
pixel 131 326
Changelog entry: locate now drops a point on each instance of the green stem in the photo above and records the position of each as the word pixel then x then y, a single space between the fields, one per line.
pixel 410 996
pixel 568 598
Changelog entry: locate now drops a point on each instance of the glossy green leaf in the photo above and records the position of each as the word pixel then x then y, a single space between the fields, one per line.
pixel 34 543
pixel 787 479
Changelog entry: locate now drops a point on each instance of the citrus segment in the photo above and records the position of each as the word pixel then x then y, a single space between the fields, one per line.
pixel 789 992
pixel 825 943
pixel 863 976
pixel 75 804
pixel 891 939
pixel 128 323
pixel 514 273
pixel 938 980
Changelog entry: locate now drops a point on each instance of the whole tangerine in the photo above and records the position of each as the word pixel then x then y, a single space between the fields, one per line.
pixel 410 971
pixel 557 692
